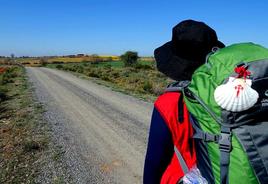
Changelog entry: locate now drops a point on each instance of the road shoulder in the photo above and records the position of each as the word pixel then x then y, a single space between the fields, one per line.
pixel 25 139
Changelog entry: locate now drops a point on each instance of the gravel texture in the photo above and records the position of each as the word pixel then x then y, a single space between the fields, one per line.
pixel 100 135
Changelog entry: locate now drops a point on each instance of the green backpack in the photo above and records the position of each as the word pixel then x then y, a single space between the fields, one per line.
pixel 232 146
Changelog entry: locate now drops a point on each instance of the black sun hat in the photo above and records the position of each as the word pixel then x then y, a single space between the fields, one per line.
pixel 190 44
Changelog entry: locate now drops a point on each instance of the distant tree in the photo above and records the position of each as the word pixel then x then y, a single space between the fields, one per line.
pixel 43 61
pixel 130 58
pixel 12 55
pixel 7 61
pixel 80 55
pixel 96 58
pixel 109 58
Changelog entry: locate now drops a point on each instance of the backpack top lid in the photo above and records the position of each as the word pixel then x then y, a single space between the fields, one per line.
pixel 220 66
pixel 222 63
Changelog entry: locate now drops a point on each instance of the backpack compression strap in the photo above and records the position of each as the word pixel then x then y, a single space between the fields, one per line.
pixel 224 139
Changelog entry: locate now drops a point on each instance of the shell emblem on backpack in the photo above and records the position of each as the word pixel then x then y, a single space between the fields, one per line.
pixel 236 95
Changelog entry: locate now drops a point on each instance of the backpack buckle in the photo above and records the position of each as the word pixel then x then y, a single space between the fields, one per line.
pixel 211 137
pixel 225 141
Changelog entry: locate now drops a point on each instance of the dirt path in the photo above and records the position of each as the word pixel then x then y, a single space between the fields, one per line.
pixel 102 132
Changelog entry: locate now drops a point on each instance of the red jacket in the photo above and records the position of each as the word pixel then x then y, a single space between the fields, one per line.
pixel 182 132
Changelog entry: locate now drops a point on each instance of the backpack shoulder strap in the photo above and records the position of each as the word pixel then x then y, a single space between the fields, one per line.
pixel 177 86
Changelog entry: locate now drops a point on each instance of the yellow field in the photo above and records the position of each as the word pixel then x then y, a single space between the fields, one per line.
pixel 38 62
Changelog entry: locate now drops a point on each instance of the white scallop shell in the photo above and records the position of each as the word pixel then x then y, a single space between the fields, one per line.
pixel 236 95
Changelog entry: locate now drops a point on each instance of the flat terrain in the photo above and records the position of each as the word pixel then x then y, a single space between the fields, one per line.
pixel 102 133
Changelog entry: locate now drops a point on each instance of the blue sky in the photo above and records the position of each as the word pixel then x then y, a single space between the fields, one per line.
pixel 105 27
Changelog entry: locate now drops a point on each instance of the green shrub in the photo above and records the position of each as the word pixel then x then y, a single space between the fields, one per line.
pixel 30 146
pixel 105 77
pixel 59 67
pixel 125 73
pixel 57 62
pixel 79 69
pixel 108 66
pixel 94 73
pixel 115 74
pixel 158 89
pixel 3 91
pixel 84 61
pixel 147 86
pixel 143 67
pixel 9 75
pixel 134 79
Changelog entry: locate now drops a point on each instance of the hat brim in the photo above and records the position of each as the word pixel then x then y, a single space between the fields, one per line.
pixel 172 65
pixel 220 44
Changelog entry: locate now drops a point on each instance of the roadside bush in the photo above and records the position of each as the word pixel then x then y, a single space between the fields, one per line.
pixel 160 75
pixel 9 75
pixel 30 146
pixel 74 68
pixel 134 79
pixel 59 67
pixel 86 64
pixel 143 67
pixel 108 66
pixel 79 69
pixel 147 86
pixel 157 89
pixel 94 73
pixel 115 74
pixel 57 62
pixel 105 77
pixel 3 91
pixel 125 74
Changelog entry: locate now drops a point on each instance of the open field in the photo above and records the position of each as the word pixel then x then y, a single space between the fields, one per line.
pixel 40 61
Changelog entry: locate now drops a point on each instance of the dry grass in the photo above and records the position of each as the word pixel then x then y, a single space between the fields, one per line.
pixel 21 143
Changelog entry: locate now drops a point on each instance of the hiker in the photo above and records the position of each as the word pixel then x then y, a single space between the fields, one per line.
pixel 177 59
pixel 199 129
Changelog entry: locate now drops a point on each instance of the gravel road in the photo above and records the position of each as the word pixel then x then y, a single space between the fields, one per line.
pixel 102 133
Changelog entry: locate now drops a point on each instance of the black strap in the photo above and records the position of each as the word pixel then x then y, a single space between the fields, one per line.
pixel 180 109
pixel 177 86
pixel 207 137
pixel 200 134
pixel 190 94
pixel 224 167
pixel 225 145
